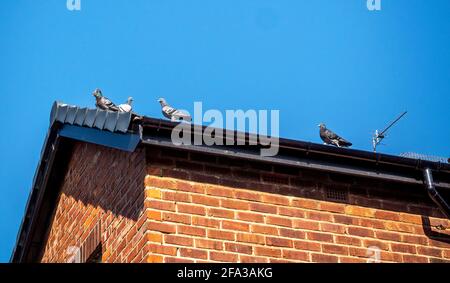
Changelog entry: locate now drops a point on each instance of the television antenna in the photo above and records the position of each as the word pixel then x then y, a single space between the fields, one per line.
pixel 379 136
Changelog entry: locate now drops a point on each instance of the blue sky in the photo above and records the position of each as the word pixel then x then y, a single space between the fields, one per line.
pixel 329 61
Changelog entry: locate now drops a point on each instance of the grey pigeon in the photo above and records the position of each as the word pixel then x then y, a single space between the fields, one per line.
pixel 126 107
pixel 172 113
pixel 329 137
pixel 103 102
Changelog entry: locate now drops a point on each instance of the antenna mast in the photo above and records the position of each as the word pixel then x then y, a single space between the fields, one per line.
pixel 379 136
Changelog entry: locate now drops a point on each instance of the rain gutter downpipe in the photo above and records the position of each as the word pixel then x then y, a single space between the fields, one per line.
pixel 434 194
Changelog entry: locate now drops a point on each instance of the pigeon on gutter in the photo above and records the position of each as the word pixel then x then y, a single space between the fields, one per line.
pixel 329 137
pixel 103 102
pixel 126 107
pixel 172 113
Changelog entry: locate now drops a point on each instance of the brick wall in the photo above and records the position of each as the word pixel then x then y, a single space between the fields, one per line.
pixel 103 188
pixel 203 208
pixel 159 205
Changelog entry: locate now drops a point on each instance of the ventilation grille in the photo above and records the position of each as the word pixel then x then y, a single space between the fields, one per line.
pixel 337 194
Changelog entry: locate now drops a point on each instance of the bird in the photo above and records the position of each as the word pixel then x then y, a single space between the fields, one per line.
pixel 329 137
pixel 102 102
pixel 172 113
pixel 126 107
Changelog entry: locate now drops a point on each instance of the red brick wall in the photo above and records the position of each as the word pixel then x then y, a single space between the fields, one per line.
pixel 168 206
pixel 103 187
pixel 203 208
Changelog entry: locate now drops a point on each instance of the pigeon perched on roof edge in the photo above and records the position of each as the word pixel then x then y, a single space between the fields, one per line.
pixel 126 107
pixel 103 102
pixel 329 137
pixel 172 113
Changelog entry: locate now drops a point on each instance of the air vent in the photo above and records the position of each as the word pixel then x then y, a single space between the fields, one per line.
pixel 337 194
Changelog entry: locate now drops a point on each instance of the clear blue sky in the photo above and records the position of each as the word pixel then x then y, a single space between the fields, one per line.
pixel 328 61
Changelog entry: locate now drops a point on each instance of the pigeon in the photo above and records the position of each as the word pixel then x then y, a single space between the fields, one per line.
pixel 103 102
pixel 330 137
pixel 172 113
pixel 126 107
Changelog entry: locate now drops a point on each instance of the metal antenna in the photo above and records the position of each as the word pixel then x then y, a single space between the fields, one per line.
pixel 379 136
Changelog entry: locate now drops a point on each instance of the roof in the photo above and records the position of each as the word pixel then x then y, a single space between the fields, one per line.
pixel 125 131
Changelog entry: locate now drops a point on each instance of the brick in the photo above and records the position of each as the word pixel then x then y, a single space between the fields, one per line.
pixel 343 219
pixel 154 237
pixel 191 209
pixel 390 236
pixel 161 227
pixel 321 237
pixel 235 226
pixel 361 232
pixel 176 196
pixel 208 244
pixel 206 222
pixel 292 233
pixel 334 249
pixel 221 213
pixel 290 211
pixel 153 215
pixel 219 234
pixel 154 259
pixel 263 229
pixel 306 225
pixel 261 207
pixel 332 228
pixel 279 221
pixel 380 214
pixel 403 248
pixel 296 255
pixel 429 251
pixel 191 187
pixel 248 195
pixel 270 252
pixel 162 249
pixel 250 238
pixel 307 245
pixel 319 216
pixel 324 258
pixel 156 182
pixel 234 204
pixel 279 242
pixel 160 204
pixel 193 231
pixel 224 257
pixel 193 253
pixel 332 207
pixel 153 193
pixel 205 200
pixel 359 211
pixel 413 239
pixel 178 240
pixel 306 203
pixel 220 191
pixel 175 217
pixel 250 216
pixel 352 260
pixel 238 248
pixel 275 199
pixel 414 259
